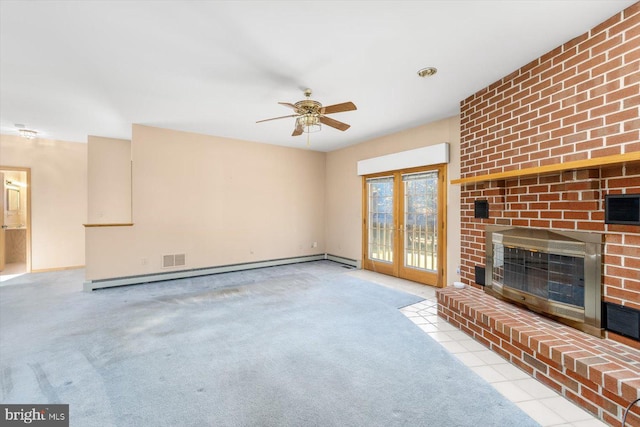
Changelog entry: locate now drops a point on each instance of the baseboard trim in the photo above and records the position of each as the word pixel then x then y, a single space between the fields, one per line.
pixel 90 285
pixel 342 260
pixel 48 270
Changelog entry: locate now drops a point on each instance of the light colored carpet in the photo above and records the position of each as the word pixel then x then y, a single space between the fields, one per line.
pixel 300 345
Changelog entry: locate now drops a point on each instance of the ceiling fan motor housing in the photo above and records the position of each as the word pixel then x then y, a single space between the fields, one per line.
pixel 308 106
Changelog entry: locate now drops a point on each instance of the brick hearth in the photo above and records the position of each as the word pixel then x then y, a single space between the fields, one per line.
pixel 600 375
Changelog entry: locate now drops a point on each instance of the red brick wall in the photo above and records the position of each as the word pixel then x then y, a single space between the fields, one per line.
pixel 579 101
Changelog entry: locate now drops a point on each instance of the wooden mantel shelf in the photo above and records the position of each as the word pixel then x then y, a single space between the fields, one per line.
pixel 124 224
pixel 540 170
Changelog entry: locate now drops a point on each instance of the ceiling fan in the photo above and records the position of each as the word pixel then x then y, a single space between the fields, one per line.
pixel 310 114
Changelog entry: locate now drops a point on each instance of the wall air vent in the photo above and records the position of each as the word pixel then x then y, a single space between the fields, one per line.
pixel 180 260
pixel 168 261
pixel 177 260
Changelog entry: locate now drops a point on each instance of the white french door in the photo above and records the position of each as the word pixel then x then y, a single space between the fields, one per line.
pixel 403 224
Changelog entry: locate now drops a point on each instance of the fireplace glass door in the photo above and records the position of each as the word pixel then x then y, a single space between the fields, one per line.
pixel 553 272
pixel 550 276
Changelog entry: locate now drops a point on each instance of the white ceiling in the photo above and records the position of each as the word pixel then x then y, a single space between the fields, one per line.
pixel 75 68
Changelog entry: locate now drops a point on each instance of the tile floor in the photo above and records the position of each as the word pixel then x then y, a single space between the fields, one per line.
pixel 539 401
pixel 11 271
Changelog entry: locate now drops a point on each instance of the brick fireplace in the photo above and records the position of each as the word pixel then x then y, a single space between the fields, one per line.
pixel 545 144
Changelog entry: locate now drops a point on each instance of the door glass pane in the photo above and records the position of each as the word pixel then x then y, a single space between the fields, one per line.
pixel 380 218
pixel 420 220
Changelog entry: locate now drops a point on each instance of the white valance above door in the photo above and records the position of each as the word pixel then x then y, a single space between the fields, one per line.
pixel 424 156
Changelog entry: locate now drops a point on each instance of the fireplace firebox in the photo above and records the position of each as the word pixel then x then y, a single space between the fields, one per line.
pixel 555 273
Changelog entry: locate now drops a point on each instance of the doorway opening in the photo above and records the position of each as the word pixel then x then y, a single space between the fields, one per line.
pixel 404 232
pixel 15 235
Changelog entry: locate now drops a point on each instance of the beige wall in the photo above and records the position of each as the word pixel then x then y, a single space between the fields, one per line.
pixel 58 197
pixel 217 200
pixel 109 180
pixel 344 188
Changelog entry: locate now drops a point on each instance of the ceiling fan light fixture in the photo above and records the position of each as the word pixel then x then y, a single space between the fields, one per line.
pixel 310 123
pixel 427 72
pixel 313 128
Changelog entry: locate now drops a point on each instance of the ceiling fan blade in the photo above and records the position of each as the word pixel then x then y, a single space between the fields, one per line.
pixel 288 104
pixel 298 130
pixel 338 108
pixel 277 118
pixel 334 123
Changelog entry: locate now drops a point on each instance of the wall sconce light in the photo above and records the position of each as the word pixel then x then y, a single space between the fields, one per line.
pixel 15 183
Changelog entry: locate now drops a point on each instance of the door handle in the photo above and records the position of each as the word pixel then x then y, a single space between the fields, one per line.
pixel 5 226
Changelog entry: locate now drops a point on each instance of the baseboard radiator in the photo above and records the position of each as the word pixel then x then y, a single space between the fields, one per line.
pixel 91 285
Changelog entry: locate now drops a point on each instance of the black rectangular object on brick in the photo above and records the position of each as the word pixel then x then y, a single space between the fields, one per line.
pixel 480 275
pixel 622 320
pixel 622 209
pixel 481 209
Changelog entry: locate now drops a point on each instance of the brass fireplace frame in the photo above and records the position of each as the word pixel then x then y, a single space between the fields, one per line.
pixel 585 245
